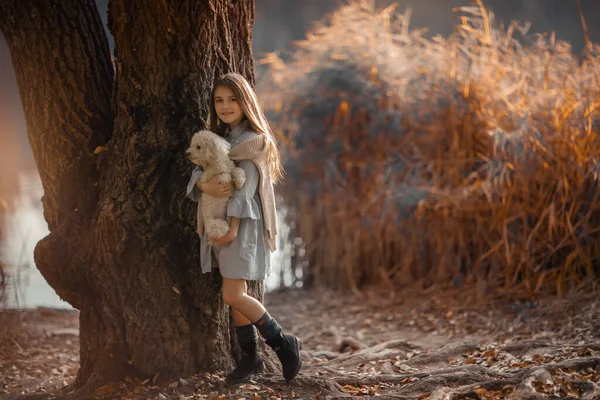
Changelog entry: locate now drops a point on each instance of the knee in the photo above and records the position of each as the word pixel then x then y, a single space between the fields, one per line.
pixel 232 298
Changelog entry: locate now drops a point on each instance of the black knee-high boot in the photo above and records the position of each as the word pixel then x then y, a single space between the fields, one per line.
pixel 287 347
pixel 251 362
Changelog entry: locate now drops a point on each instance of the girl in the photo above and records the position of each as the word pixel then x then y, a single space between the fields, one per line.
pixel 243 253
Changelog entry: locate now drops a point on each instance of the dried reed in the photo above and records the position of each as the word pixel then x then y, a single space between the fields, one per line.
pixel 3 273
pixel 472 158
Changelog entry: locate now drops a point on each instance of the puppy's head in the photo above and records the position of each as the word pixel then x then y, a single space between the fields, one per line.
pixel 206 146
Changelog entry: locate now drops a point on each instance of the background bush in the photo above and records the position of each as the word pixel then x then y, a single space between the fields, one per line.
pixel 472 158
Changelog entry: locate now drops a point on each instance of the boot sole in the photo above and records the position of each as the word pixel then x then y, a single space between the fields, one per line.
pixel 299 343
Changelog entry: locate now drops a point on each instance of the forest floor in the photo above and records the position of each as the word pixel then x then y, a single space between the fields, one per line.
pixel 443 344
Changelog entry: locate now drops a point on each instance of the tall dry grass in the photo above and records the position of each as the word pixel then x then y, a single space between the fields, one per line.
pixel 3 273
pixel 415 161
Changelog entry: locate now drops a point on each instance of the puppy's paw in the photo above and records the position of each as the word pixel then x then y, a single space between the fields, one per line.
pixel 239 177
pixel 224 178
pixel 216 228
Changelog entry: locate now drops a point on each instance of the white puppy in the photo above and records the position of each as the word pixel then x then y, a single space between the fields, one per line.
pixel 211 152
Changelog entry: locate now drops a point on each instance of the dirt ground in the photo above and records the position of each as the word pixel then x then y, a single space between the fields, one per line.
pixel 442 344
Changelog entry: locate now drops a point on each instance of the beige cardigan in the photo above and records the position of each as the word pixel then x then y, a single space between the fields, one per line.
pixel 255 149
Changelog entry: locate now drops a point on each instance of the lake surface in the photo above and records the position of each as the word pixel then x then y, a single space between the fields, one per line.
pixel 25 226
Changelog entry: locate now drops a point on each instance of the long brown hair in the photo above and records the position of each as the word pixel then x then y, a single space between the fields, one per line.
pixel 253 112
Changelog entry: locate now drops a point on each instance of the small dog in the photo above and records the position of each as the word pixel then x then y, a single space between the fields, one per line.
pixel 211 152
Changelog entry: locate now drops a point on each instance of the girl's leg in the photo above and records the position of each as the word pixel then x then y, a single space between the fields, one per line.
pixel 235 294
pixel 287 347
pixel 250 362
pixel 239 319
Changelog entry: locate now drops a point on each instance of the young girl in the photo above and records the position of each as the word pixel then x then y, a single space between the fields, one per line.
pixel 243 253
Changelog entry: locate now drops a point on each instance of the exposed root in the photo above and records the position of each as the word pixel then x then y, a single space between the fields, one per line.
pixel 325 387
pixel 443 354
pixel 385 350
pixel 469 382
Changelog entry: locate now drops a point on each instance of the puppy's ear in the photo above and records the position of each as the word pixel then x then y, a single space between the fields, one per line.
pixel 220 146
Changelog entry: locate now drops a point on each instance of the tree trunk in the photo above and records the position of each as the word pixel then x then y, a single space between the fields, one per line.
pixel 122 246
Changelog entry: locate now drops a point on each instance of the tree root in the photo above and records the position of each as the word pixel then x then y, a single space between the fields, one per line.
pixel 475 370
pixel 325 387
pixel 469 380
pixel 462 381
pixel 385 350
pixel 443 354
pixel 458 383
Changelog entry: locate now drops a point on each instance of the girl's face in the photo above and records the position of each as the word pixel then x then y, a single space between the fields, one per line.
pixel 227 107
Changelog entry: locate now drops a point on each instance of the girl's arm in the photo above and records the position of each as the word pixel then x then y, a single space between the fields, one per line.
pixel 195 188
pixel 216 189
pixel 231 235
pixel 234 224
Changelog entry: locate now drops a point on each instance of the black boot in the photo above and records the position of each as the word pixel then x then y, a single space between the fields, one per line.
pixel 251 363
pixel 287 348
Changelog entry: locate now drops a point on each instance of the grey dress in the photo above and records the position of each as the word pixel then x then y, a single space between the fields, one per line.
pixel 247 256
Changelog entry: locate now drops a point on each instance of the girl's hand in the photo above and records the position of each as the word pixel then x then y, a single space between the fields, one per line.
pixel 216 189
pixel 234 225
pixel 225 240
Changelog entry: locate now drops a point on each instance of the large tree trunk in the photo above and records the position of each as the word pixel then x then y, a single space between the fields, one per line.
pixel 122 247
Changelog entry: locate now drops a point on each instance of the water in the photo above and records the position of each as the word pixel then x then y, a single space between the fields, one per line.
pixel 25 226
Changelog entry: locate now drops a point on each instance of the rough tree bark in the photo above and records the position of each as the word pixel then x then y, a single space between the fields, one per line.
pixel 122 247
